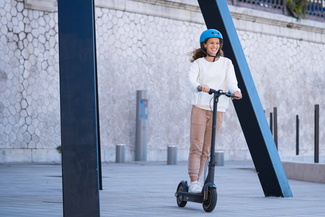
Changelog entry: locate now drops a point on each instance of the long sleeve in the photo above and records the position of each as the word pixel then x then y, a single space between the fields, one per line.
pixel 232 84
pixel 193 76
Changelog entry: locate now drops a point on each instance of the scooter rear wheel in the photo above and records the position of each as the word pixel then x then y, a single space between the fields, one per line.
pixel 211 202
pixel 181 187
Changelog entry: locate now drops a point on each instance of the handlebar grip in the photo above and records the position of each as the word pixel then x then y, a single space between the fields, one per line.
pixel 229 94
pixel 211 91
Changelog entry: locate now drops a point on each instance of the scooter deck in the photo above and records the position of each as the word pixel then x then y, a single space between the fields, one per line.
pixel 186 196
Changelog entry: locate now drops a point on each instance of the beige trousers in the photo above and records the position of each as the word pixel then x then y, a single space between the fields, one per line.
pixel 200 139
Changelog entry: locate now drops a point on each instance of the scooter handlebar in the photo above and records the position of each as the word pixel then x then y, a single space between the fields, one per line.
pixel 221 92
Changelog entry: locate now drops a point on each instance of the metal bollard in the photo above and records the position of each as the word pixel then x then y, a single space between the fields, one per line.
pixel 141 137
pixel 219 156
pixel 171 155
pixel 120 153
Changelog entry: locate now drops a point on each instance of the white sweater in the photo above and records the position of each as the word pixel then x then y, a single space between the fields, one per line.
pixel 217 75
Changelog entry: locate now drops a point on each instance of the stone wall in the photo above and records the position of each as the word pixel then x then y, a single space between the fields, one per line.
pixel 143 45
pixel 29 84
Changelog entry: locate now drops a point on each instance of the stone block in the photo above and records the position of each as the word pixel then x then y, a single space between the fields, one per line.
pixel 310 172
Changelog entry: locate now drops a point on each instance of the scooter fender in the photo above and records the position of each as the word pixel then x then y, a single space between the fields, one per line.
pixel 185 187
pixel 206 189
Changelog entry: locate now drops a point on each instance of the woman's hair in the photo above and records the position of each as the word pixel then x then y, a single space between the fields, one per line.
pixel 198 53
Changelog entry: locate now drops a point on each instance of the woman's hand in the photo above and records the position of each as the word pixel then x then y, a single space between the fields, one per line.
pixel 238 95
pixel 205 88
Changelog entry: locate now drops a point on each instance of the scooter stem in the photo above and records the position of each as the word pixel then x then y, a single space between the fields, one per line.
pixel 212 164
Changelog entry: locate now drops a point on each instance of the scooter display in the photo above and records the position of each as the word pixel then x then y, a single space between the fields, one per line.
pixel 208 196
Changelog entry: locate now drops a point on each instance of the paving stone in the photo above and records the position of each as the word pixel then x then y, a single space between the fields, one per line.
pixel 147 189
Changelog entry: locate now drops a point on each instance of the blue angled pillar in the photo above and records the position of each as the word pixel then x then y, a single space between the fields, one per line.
pixel 249 110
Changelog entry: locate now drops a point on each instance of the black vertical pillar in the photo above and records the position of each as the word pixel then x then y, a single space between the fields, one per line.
pixel 271 122
pixel 316 135
pixel 275 133
pixel 79 113
pixel 249 110
pixel 297 134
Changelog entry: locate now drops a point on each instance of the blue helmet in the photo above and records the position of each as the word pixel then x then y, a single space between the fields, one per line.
pixel 210 33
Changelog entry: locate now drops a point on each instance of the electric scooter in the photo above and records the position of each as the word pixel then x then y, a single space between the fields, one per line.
pixel 208 196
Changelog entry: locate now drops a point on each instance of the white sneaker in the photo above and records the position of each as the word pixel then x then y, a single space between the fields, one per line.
pixel 195 187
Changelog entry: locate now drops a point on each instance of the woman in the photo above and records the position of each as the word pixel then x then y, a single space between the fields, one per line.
pixel 209 69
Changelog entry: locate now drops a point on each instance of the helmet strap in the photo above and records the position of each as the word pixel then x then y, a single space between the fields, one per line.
pixel 214 57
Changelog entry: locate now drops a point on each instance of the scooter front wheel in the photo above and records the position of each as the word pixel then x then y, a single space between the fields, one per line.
pixel 210 203
pixel 182 187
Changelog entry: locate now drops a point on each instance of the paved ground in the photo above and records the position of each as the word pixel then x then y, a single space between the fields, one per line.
pixel 147 189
